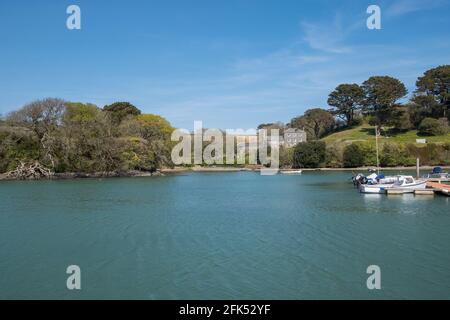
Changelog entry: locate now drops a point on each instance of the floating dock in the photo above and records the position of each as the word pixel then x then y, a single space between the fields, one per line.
pixel 432 189
pixel 439 187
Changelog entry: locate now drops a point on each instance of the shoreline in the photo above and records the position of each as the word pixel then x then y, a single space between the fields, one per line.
pixel 177 170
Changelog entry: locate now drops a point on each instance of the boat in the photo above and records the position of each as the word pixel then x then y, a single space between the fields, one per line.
pixel 374 188
pixel 291 172
pixel 437 175
pixel 403 184
pixel 379 180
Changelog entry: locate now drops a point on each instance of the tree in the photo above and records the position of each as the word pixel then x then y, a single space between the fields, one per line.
pixel 395 155
pixel 121 110
pixel 401 120
pixel 88 142
pixel 309 154
pixel 346 99
pixel 435 83
pixel 381 95
pixel 434 127
pixel 359 154
pixel 275 126
pixel 42 117
pixel 316 122
pixel 148 141
pixel 354 156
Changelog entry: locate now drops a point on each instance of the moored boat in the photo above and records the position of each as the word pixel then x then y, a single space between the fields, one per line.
pixel 437 174
pixel 403 184
pixel 291 172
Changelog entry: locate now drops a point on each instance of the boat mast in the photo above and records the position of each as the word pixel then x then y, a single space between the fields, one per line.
pixel 376 142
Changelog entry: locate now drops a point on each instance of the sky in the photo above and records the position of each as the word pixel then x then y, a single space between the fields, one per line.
pixel 231 64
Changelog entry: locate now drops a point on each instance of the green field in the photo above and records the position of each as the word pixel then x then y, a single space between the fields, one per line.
pixel 367 133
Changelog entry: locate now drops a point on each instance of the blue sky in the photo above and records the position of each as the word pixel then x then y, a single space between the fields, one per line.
pixel 231 64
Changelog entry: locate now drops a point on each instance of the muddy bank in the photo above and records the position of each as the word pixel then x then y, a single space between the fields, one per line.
pixel 83 175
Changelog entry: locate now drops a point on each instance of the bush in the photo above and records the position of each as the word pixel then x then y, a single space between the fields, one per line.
pixel 431 154
pixel 286 157
pixel 334 156
pixel 353 156
pixel 433 127
pixel 358 155
pixel 396 155
pixel 309 154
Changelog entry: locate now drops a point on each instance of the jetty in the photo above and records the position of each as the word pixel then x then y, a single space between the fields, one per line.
pixel 439 188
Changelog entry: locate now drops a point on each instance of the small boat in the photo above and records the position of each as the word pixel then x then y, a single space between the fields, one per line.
pixel 403 184
pixel 374 188
pixel 378 180
pixel 408 182
pixel 291 172
pixel 437 173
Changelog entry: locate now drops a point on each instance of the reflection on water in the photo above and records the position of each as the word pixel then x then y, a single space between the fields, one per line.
pixel 221 236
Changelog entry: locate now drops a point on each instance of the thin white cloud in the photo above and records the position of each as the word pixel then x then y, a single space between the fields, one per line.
pixel 327 37
pixel 402 7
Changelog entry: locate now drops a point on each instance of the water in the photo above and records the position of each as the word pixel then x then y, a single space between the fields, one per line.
pixel 220 236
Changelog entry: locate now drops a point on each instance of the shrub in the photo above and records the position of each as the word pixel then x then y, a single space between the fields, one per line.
pixel 433 127
pixel 396 155
pixel 286 157
pixel 431 154
pixel 309 155
pixel 359 154
pixel 334 156
pixel 353 156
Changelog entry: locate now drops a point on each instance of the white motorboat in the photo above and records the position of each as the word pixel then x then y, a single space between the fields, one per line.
pixel 291 172
pixel 374 188
pixel 380 179
pixel 403 183
pixel 409 183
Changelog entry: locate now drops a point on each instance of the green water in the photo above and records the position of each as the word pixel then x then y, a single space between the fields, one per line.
pixel 220 236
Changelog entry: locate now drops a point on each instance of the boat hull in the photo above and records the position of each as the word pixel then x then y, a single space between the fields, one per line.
pixel 373 189
pixel 392 188
pixel 291 172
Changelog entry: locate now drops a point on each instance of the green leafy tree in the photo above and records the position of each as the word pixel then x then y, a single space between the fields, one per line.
pixel 309 154
pixel 395 155
pixel 435 83
pixel 347 100
pixel 121 110
pixel 381 95
pixel 401 120
pixel 359 154
pixel 434 127
pixel 316 122
pixel 354 156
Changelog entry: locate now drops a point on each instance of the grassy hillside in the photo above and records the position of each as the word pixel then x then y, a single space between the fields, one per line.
pixel 367 133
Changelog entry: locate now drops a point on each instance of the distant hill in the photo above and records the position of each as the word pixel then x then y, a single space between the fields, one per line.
pixel 367 133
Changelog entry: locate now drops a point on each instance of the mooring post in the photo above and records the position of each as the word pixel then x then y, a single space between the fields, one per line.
pixel 418 168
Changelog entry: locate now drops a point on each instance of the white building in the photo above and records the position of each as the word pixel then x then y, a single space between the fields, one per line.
pixel 292 137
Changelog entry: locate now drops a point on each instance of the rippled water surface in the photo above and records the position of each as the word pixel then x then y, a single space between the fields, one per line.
pixel 220 236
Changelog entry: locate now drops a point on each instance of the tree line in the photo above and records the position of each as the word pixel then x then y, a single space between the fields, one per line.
pixel 81 137
pixel 379 101
pixel 76 137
